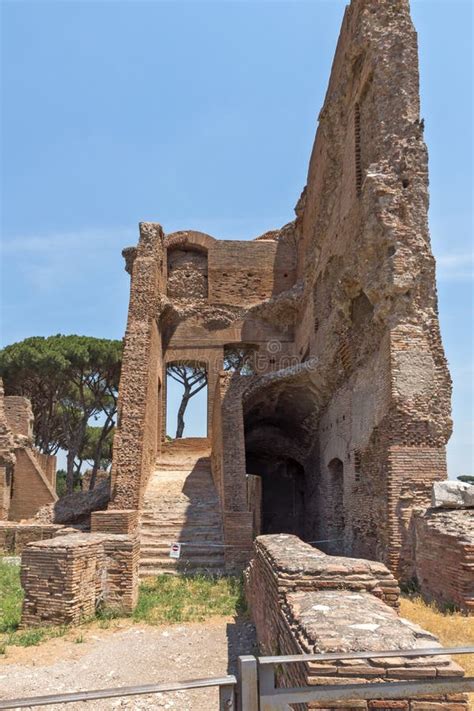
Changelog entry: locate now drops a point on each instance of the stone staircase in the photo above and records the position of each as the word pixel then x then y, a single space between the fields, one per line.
pixel 181 505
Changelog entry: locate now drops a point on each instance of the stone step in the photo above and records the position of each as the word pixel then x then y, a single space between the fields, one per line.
pixel 178 534
pixel 181 503
pixel 188 553
pixel 163 562
pixel 200 515
pixel 159 570
pixel 170 519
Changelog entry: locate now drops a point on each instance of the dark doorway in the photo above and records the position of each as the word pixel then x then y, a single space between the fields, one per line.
pixel 283 488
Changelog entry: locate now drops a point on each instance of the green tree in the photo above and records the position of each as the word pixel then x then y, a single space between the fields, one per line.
pixel 193 378
pixel 70 380
pixel 96 449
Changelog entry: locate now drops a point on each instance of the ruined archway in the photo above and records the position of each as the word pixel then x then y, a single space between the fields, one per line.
pixel 280 418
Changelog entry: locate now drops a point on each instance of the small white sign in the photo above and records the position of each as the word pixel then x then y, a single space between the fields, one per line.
pixel 175 550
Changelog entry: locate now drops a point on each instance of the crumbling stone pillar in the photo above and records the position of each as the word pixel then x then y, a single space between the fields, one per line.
pixel 137 437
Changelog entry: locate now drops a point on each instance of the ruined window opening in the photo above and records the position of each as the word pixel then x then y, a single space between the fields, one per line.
pixel 361 309
pixel 240 358
pixel 186 399
pixel 358 164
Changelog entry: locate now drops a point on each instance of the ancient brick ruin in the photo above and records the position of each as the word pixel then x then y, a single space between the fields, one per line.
pixel 346 413
pixel 27 477
pixel 334 431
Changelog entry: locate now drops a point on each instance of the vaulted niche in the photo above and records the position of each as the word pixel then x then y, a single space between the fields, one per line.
pixel 187 273
pixel 278 443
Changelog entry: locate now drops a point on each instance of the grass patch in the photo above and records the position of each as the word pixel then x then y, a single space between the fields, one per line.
pixel 454 629
pixel 11 597
pixel 11 600
pixel 165 599
pixel 168 599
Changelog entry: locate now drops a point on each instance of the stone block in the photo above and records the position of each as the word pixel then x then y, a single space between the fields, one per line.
pixel 452 495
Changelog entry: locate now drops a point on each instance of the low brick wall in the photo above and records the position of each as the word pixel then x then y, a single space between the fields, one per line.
pixel 447 536
pixel 303 601
pixel 15 536
pixel 65 579
pixel 114 521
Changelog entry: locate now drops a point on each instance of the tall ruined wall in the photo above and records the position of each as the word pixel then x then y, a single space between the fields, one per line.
pixel 137 438
pixel 369 311
pixel 350 400
pixel 7 458
pixel 19 415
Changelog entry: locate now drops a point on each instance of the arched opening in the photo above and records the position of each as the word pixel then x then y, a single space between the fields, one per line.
pixel 240 358
pixel 279 428
pixel 186 403
pixel 361 310
pixel 187 273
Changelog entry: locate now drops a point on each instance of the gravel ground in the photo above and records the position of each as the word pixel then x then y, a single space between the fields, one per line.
pixel 94 658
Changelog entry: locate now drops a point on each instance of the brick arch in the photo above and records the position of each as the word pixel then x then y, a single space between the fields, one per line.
pixel 189 239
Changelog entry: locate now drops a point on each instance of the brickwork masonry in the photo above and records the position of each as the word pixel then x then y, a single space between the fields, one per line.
pixel 447 536
pixel 304 601
pixel 67 578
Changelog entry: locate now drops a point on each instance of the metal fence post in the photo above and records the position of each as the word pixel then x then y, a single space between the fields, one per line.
pixel 247 684
pixel 227 698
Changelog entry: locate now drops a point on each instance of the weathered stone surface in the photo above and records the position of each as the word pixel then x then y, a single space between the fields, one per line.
pixel 452 495
pixel 447 536
pixel 303 601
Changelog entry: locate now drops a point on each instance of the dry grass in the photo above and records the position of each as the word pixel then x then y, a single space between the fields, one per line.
pixel 453 628
pixel 188 598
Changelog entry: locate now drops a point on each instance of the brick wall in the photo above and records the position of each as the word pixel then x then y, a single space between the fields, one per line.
pixel 447 536
pixel 65 579
pixel 19 415
pixel 137 439
pixel 30 488
pixel 303 601
pixel 15 536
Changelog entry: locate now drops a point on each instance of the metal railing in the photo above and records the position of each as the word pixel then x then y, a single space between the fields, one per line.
pixel 255 688
pixel 258 691
pixel 226 685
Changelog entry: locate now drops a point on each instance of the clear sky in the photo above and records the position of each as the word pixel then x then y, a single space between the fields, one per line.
pixel 198 115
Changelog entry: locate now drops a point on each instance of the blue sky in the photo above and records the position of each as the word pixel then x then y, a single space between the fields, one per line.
pixel 198 114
